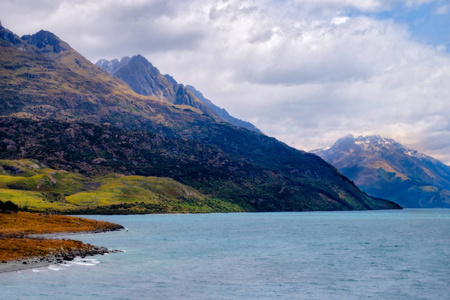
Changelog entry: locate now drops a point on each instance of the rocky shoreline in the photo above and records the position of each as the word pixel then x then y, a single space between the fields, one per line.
pixel 33 240
pixel 57 258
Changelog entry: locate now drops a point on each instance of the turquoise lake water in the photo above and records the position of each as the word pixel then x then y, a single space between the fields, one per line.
pixel 309 255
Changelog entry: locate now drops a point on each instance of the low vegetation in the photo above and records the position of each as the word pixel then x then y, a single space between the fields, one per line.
pixel 34 187
pixel 24 223
pixel 16 228
pixel 8 207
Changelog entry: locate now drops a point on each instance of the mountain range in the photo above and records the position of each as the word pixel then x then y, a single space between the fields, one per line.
pixel 68 114
pixel 386 169
pixel 145 79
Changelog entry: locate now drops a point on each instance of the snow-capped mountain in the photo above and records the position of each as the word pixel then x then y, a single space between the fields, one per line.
pixel 387 169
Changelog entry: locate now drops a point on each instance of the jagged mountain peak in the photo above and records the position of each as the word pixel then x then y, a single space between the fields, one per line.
pixel 141 76
pixel 9 37
pixel 346 140
pixel 140 58
pixel 111 66
pixel 138 61
pixel 145 79
pixel 365 141
pixel 373 139
pixel 45 41
pixel 42 42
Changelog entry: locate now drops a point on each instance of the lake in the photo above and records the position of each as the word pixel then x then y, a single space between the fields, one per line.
pixel 306 255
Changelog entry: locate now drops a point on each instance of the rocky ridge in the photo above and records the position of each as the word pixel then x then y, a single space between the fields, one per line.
pixel 145 79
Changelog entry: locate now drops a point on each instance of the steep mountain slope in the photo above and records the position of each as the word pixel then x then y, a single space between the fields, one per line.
pixel 145 79
pixel 222 113
pixel 386 169
pixel 51 80
pixel 62 110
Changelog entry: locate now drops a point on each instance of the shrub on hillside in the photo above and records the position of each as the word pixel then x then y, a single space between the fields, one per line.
pixel 8 207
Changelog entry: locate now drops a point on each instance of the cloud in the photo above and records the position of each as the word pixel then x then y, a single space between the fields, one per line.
pixel 306 72
pixel 443 9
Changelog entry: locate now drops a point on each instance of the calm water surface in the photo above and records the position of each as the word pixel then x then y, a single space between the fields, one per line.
pixel 313 255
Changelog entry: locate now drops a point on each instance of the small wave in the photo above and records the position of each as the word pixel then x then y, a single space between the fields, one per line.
pixel 80 263
pixel 55 268
pixel 85 261
pixel 37 270
pixel 66 264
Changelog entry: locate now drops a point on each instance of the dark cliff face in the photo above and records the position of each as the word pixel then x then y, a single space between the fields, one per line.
pixel 387 169
pixel 59 108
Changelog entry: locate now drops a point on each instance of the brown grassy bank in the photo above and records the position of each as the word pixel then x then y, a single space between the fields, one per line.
pixel 24 248
pixel 25 223
pixel 15 243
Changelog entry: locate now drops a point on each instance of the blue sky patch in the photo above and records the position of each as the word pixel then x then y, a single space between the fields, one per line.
pixel 428 23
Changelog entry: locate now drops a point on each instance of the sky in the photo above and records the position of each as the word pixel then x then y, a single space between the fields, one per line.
pixel 306 72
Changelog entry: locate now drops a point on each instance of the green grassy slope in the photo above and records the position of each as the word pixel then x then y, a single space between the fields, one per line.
pixel 33 186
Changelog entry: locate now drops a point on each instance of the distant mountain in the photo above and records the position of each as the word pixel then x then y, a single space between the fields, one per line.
pixel 60 109
pixel 111 66
pixel 145 79
pixel 386 169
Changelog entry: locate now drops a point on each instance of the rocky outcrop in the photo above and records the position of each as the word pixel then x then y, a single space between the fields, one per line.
pixel 45 41
pixel 59 257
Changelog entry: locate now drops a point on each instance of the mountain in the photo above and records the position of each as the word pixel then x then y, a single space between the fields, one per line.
pixel 61 110
pixel 386 169
pixel 111 66
pixel 141 76
pixel 145 79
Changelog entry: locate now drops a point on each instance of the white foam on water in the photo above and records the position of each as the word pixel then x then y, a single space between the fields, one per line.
pixel 55 268
pixel 37 270
pixel 66 264
pixel 85 261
